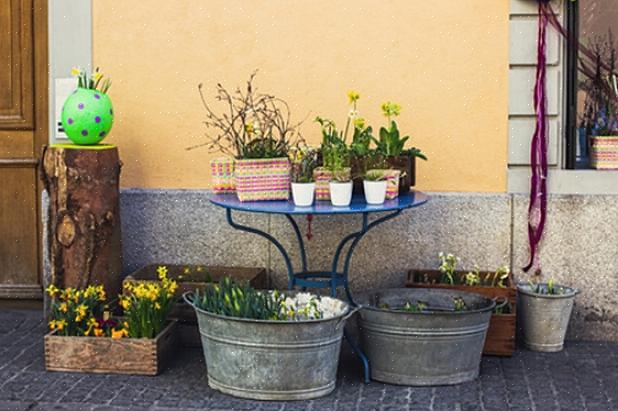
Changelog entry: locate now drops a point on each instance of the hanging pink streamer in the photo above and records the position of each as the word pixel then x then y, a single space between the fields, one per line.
pixel 537 210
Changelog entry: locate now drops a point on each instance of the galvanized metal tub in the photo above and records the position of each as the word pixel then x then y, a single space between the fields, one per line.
pixel 424 348
pixel 271 360
pixel 545 318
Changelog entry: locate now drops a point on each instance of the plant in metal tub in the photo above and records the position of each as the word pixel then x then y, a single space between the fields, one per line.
pixel 268 345
pixel 424 336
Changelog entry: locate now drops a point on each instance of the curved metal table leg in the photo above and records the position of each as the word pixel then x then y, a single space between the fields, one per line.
pixel 273 240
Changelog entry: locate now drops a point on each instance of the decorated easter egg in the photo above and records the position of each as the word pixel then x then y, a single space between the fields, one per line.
pixel 87 116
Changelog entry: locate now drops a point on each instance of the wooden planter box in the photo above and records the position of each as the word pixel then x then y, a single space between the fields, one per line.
pixel 185 315
pixel 502 327
pixel 136 356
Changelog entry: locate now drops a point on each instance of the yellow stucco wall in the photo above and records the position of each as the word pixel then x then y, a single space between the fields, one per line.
pixel 445 62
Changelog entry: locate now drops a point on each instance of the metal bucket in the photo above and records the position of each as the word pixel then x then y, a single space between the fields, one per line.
pixel 545 318
pixel 271 360
pixel 436 347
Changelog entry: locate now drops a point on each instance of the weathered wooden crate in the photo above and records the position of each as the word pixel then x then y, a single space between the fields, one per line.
pixel 502 327
pixel 199 277
pixel 137 356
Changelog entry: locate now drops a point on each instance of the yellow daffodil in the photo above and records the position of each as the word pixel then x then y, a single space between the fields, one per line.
pixel 353 96
pixel 186 270
pixel 76 71
pixel 116 334
pixel 52 291
pixel 157 306
pixel 162 271
pixel 125 303
pixel 60 324
pixel 98 332
pixel 63 307
pixel 96 76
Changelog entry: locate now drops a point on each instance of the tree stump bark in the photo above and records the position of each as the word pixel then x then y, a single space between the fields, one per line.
pixel 84 216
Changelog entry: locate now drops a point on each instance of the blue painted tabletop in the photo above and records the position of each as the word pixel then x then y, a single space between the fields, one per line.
pixel 358 205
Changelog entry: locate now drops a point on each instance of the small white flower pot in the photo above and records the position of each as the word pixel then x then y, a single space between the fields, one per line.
pixel 340 193
pixel 375 191
pixel 303 194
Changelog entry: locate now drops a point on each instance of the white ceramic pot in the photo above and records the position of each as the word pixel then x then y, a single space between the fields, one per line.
pixel 303 193
pixel 375 191
pixel 340 193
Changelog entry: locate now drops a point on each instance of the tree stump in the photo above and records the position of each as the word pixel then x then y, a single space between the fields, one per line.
pixel 83 231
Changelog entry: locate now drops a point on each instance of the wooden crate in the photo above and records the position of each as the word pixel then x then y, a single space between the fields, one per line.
pixel 136 356
pixel 187 322
pixel 502 327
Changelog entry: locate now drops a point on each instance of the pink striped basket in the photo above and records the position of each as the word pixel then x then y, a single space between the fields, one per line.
pixel 322 177
pixel 262 179
pixel 392 186
pixel 222 170
pixel 604 152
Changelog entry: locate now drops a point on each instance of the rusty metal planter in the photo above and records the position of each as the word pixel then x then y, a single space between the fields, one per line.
pixel 105 355
pixel 197 280
pixel 501 336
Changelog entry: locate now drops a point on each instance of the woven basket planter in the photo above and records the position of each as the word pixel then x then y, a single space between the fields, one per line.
pixel 604 152
pixel 392 186
pixel 323 177
pixel 262 179
pixel 222 170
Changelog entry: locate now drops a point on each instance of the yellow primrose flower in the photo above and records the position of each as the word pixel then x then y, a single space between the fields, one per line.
pixel 353 96
pixel 76 71
pixel 359 122
pixel 390 109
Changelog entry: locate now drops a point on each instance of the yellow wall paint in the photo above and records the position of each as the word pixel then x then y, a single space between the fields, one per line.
pixel 445 62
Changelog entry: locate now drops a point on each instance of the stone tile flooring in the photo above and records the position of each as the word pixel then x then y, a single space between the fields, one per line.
pixel 582 377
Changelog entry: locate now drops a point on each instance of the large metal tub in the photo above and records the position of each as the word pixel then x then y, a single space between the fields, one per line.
pixel 271 360
pixel 424 348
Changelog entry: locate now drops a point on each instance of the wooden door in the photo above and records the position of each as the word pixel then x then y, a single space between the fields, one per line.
pixel 23 130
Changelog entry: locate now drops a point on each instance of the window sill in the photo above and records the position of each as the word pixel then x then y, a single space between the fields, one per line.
pixel 577 182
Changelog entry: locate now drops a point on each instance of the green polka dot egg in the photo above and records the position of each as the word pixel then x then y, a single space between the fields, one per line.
pixel 87 116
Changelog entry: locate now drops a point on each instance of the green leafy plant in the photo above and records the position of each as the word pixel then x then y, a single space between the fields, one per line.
pixel 473 277
pixel 459 304
pixel 335 153
pixel 230 299
pixel 390 142
pixel 93 82
pixel 375 175
pixel 414 308
pixel 546 289
pixel 304 160
pixel 448 266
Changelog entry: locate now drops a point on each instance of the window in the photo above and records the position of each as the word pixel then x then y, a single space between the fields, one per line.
pixel 592 83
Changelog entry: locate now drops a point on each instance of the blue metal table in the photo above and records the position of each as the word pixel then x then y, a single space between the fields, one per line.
pixel 321 279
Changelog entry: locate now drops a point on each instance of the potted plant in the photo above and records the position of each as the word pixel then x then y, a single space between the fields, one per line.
pixel 85 338
pixel 498 285
pixel 87 114
pixel 255 129
pixel 267 345
pixel 600 116
pixel 304 161
pixel 374 186
pixel 423 336
pixel 545 312
pixel 391 146
pixel 191 278
pixel 335 160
